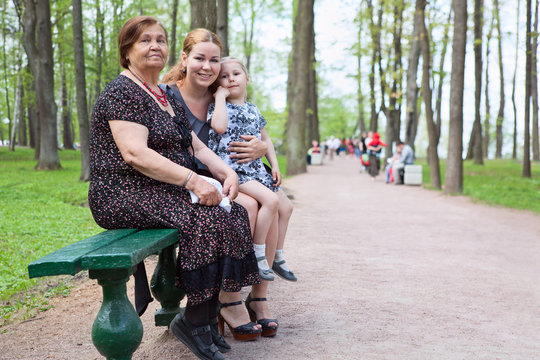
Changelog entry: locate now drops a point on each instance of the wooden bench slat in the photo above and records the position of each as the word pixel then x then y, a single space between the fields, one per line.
pixel 68 259
pixel 130 250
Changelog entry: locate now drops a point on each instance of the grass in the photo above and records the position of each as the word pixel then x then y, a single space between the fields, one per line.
pixel 497 182
pixel 40 212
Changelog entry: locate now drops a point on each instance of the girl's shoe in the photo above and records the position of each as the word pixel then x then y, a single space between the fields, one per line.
pixel 217 338
pixel 267 329
pixel 265 273
pixel 241 333
pixel 285 274
pixel 197 339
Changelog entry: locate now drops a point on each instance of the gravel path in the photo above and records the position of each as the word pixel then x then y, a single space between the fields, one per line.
pixel 385 272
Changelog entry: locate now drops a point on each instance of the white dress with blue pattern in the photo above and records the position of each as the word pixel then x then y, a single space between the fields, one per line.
pixel 243 120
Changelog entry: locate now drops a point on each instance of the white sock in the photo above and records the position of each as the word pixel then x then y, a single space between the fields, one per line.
pixel 260 250
pixel 278 257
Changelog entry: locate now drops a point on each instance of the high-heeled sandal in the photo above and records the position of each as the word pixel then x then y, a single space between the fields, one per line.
pixel 217 338
pixel 267 329
pixel 244 332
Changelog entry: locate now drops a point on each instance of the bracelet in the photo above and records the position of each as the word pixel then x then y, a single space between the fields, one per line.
pixel 188 177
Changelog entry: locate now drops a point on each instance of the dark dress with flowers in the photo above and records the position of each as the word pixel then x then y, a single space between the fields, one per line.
pixel 215 247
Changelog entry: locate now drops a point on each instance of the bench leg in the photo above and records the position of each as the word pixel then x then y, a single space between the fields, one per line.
pixel 117 331
pixel 163 288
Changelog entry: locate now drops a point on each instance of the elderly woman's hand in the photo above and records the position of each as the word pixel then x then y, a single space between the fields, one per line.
pixel 251 149
pixel 207 193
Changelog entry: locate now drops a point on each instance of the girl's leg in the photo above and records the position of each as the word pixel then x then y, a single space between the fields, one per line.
pixel 269 202
pixel 285 211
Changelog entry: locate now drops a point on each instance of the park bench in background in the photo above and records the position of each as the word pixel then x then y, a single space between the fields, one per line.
pixel 111 257
pixel 413 175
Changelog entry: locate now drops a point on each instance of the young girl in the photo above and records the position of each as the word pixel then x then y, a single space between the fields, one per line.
pixel 231 116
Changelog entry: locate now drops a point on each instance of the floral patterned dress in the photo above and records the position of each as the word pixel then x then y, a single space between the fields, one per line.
pixel 215 247
pixel 243 120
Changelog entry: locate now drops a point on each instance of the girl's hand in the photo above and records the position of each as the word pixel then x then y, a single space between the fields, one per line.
pixel 276 176
pixel 230 186
pixel 222 92
pixel 207 193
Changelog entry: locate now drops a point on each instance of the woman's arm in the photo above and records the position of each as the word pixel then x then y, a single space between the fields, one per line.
pixel 271 157
pixel 131 139
pixel 217 167
pixel 220 119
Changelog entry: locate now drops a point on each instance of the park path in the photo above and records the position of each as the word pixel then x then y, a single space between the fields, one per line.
pixel 385 272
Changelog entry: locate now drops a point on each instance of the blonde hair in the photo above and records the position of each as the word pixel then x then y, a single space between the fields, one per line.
pixel 194 37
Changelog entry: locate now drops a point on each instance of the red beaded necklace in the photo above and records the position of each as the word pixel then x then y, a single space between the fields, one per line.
pixel 161 98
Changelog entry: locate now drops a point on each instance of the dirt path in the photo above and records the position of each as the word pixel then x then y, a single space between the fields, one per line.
pixel 385 272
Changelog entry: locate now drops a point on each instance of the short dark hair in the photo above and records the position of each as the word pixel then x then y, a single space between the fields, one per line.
pixel 131 31
pixel 399 142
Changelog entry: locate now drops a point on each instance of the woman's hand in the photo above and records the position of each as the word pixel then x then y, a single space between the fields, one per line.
pixel 207 193
pixel 245 151
pixel 230 185
pixel 276 176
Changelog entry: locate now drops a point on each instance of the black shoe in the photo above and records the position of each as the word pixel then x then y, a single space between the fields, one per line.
pixel 267 329
pixel 217 338
pixel 287 275
pixel 197 339
pixel 240 333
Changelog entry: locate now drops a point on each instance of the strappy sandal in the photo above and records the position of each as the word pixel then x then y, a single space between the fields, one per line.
pixel 217 338
pixel 197 339
pixel 267 329
pixel 241 333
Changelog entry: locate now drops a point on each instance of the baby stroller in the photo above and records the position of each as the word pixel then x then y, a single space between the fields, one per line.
pixel 364 160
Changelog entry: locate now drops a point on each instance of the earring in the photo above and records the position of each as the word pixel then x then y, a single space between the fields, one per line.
pixel 184 70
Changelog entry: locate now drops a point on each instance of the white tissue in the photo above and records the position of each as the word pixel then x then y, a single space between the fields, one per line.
pixel 225 201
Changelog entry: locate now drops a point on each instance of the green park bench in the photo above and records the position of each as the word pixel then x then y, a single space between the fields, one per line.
pixel 111 257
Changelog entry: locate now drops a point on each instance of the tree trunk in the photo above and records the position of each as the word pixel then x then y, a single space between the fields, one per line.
pixel 299 91
pixel 534 89
pixel 500 114
pixel 514 137
pixel 454 164
pixel 172 42
pixel 427 95
pixel 526 173
pixel 475 143
pixel 411 121
pixel 313 112
pixel 442 73
pixel 223 25
pixel 18 116
pixel 374 56
pixel 23 129
pixel 38 46
pixel 360 93
pixel 203 14
pixel 67 125
pixel 80 84
pixel 487 119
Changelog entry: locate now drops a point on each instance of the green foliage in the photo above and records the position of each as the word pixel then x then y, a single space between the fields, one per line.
pixel 337 117
pixel 41 212
pixel 498 182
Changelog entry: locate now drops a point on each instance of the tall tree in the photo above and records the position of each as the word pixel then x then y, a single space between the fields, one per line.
pixel 528 74
pixel 298 94
pixel 514 136
pixel 534 89
pixel 500 114
pixel 433 129
pixel 411 122
pixel 204 14
pixel 222 25
pixel 172 42
pixel 374 30
pixel 80 83
pixel 360 93
pixel 38 45
pixel 442 73
pixel 475 142
pixel 487 118
pixel 312 117
pixel 454 163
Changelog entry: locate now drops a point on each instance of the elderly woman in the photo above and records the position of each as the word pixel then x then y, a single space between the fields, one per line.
pixel 142 169
pixel 190 82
